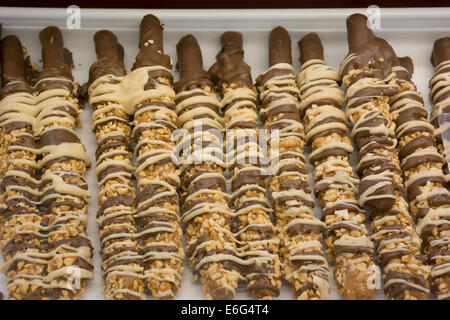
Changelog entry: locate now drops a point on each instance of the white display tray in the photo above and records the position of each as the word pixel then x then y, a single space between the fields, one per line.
pixel 410 31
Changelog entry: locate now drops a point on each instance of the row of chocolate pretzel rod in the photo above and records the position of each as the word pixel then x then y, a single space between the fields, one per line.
pixel 398 246
pixel 230 236
pixel 44 244
pixel 140 230
pixel 252 248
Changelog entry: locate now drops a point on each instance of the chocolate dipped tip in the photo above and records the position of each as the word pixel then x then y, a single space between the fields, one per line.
pixel 151 44
pixel 110 56
pixel 189 55
pixel 358 32
pixel 231 38
pixel 151 28
pixel 106 45
pixel 372 52
pixel 310 47
pixel 57 60
pixel 441 51
pixel 230 66
pixel 190 65
pixel 13 63
pixel 279 46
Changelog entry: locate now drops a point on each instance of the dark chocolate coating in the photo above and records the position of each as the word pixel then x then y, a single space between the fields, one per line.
pixel 190 65
pixel 310 48
pixel 151 44
pixel 279 46
pixel 230 66
pixel 57 60
pixel 441 51
pixel 109 56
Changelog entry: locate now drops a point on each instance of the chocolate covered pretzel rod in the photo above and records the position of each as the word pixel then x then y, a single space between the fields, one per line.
pixel 63 166
pixel 211 247
pixel 258 244
pixel 122 262
pixel 348 243
pixel 425 180
pixel 158 180
pixel 22 244
pixel 367 74
pixel 47 115
pixel 440 95
pixel 303 262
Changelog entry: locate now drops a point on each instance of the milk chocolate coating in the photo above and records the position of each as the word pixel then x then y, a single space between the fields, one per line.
pixel 57 60
pixel 13 66
pixel 151 44
pixel 230 66
pixel 279 46
pixel 441 51
pixel 407 63
pixel 190 65
pixel 310 48
pixel 109 56
pixel 370 50
pixel 381 204
pixel 106 46
pixel 151 28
